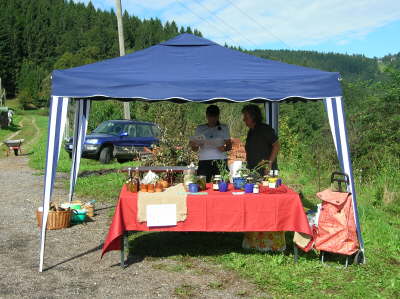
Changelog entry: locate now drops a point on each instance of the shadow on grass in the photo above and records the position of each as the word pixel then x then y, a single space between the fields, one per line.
pixel 144 245
pixel 306 202
pixel 105 208
pixel 164 244
pixel 27 154
pixel 194 244
pixel 13 128
pixel 76 257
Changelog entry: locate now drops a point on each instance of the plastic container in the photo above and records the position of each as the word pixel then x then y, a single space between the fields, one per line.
pixel 75 206
pixel 78 216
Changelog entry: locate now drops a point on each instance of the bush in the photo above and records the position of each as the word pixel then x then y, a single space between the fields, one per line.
pixel 29 83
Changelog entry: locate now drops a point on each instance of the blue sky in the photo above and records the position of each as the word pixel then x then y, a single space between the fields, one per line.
pixel 369 27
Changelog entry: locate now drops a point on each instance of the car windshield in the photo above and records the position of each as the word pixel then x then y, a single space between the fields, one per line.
pixel 109 127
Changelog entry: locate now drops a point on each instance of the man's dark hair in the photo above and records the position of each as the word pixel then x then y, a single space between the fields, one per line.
pixel 212 110
pixel 254 112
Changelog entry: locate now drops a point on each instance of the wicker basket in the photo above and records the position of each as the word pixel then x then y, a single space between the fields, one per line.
pixel 55 219
pixel 90 210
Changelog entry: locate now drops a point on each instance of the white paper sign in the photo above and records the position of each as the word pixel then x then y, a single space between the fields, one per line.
pixel 161 215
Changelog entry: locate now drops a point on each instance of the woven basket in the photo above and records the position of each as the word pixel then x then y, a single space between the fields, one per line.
pixel 55 219
pixel 90 210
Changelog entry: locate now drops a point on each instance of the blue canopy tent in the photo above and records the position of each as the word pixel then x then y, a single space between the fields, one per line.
pixel 188 68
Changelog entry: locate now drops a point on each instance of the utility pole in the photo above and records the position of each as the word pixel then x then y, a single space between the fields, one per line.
pixel 127 113
pixel 2 95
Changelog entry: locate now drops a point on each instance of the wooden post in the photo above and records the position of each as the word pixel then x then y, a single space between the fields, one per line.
pixel 127 114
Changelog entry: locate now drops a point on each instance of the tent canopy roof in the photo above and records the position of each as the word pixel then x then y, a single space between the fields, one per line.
pixel 190 68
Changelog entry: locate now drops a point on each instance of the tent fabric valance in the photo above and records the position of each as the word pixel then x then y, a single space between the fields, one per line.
pixel 191 68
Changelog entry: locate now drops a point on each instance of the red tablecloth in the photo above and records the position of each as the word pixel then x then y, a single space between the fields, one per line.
pixel 217 212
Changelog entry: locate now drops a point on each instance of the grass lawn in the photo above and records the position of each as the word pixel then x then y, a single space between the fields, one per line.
pixel 276 274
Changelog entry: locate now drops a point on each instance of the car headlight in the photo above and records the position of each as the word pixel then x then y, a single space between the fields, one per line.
pixel 92 141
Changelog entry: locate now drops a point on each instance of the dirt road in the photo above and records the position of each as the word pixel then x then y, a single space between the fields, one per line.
pixel 72 255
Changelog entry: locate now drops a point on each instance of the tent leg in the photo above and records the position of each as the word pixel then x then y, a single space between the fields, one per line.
pixel 124 241
pixel 296 253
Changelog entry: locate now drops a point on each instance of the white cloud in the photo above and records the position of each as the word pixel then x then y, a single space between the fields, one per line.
pixel 295 22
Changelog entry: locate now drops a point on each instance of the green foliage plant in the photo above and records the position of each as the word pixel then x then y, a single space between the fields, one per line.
pixel 223 171
pixel 254 173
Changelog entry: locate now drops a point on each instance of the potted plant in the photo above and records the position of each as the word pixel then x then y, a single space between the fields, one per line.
pixel 250 175
pixel 224 173
pixel 240 181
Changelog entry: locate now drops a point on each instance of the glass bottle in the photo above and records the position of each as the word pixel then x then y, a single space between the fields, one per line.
pixel 136 182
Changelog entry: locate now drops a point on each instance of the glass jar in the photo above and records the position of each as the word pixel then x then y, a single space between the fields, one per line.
pixel 250 180
pixel 202 181
pixel 216 181
pixel 256 188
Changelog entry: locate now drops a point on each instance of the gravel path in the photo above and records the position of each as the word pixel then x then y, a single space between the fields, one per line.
pixel 72 255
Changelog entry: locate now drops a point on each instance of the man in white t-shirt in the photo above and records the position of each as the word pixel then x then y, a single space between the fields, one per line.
pixel 212 141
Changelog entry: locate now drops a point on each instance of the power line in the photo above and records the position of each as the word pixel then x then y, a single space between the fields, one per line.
pixel 259 24
pixel 232 28
pixel 205 20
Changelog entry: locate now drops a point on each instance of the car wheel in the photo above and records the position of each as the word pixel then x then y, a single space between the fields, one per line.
pixel 105 155
pixel 123 160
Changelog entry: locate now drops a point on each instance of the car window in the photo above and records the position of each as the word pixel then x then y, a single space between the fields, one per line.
pixel 109 127
pixel 156 131
pixel 143 131
pixel 131 130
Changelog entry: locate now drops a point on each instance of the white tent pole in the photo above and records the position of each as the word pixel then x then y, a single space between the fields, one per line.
pixel 348 167
pixel 337 121
pixel 75 141
pixel 81 124
pixel 57 110
pixel 63 123
pixel 272 115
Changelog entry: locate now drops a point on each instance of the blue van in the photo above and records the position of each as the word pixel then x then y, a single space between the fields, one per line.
pixel 120 139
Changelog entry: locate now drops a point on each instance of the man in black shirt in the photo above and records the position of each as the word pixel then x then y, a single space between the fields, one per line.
pixel 262 142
